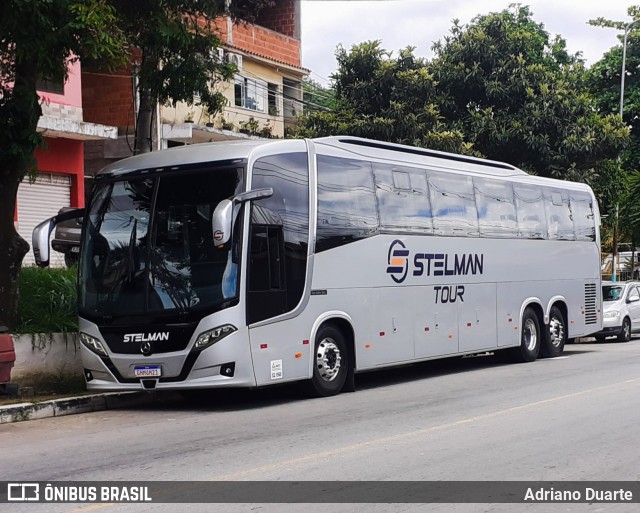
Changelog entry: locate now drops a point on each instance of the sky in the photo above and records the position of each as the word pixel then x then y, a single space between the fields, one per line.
pixel 418 23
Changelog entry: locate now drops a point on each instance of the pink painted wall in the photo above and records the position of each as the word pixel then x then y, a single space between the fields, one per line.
pixel 72 89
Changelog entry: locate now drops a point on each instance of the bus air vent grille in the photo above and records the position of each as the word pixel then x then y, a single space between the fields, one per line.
pixel 590 313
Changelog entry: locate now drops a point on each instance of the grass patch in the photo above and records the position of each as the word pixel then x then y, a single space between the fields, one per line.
pixel 47 301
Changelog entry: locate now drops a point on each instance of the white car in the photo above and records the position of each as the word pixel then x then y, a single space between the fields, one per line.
pixel 621 315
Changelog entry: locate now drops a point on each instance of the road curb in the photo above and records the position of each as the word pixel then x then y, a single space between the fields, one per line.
pixel 72 405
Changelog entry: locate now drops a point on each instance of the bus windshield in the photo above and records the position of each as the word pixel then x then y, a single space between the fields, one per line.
pixel 148 244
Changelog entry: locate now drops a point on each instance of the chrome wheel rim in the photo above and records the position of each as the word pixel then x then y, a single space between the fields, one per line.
pixel 556 332
pixel 626 329
pixel 530 334
pixel 328 359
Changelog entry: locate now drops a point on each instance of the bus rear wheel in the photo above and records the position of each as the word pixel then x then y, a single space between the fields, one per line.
pixel 553 343
pixel 529 338
pixel 330 362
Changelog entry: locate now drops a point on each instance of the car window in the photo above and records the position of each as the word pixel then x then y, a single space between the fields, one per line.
pixel 633 293
pixel 612 292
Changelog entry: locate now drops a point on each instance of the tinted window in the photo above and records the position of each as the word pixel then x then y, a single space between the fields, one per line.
pixel 403 199
pixel 583 216
pixel 559 220
pixel 496 208
pixel 532 222
pixel 612 292
pixel 285 217
pixel 453 204
pixel 346 202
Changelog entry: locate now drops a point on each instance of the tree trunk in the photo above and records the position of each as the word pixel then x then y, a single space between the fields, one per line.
pixel 144 125
pixel 21 112
pixel 13 249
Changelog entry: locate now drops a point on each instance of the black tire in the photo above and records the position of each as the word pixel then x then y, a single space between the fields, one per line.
pixel 556 334
pixel 530 335
pixel 71 259
pixel 330 362
pixel 625 334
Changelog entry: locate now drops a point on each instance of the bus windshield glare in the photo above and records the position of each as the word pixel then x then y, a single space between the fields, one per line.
pixel 148 244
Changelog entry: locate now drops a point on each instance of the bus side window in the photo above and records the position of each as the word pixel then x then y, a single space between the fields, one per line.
pixel 496 208
pixel 529 205
pixel 453 204
pixel 583 217
pixel 286 212
pixel 347 209
pixel 403 199
pixel 557 207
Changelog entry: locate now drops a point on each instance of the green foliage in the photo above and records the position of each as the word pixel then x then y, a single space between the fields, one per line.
pixel 47 301
pixel 385 98
pixel 520 97
pixel 620 192
pixel 317 97
pixel 39 38
pixel 499 87
pixel 174 52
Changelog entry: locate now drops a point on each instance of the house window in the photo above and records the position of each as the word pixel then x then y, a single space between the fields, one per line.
pixel 48 85
pixel 272 99
pixel 250 93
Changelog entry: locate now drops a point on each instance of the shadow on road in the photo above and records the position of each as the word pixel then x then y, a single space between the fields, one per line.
pixel 247 399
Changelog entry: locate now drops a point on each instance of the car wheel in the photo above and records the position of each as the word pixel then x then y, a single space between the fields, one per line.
pixel 331 362
pixel 529 338
pixel 71 259
pixel 556 335
pixel 625 334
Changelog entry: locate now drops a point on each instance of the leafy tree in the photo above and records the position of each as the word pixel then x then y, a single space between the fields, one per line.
pixel 386 98
pixel 317 97
pixel 38 39
pixel 619 198
pixel 174 51
pixel 520 97
pixel 173 40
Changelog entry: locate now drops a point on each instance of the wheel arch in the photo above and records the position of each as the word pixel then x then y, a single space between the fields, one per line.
pixel 561 303
pixel 536 304
pixel 344 323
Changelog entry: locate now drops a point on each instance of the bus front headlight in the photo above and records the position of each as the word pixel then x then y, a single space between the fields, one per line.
pixel 210 337
pixel 93 344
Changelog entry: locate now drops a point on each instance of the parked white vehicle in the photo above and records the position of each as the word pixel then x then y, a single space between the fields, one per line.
pixel 621 316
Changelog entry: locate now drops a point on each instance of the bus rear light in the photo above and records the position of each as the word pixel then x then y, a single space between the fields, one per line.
pixel 210 337
pixel 298 355
pixel 93 344
pixel 263 346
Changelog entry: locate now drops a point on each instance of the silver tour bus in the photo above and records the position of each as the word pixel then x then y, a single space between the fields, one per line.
pixel 251 263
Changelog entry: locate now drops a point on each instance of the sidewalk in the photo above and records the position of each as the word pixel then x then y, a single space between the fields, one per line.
pixel 19 412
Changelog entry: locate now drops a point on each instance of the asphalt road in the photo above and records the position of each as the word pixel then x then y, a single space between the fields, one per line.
pixel 571 418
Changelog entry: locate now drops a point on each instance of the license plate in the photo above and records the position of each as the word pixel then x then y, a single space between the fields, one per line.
pixel 75 249
pixel 147 371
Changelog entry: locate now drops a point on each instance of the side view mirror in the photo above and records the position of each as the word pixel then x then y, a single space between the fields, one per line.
pixel 222 219
pixel 633 298
pixel 221 222
pixel 42 233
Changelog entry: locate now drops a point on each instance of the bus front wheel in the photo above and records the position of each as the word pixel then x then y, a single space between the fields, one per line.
pixel 530 335
pixel 330 362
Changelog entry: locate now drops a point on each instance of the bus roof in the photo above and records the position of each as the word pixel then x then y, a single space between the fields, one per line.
pixel 411 155
pixel 191 154
pixel 422 156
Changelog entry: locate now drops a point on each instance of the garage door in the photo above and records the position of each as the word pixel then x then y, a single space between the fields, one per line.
pixel 38 201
